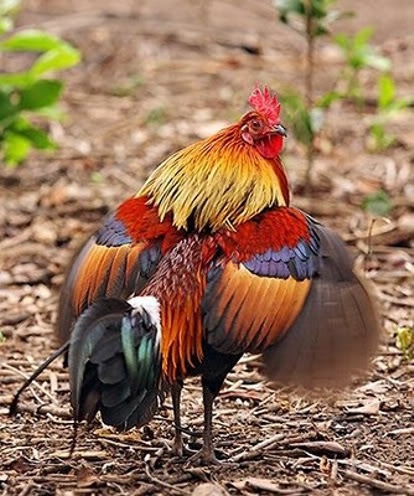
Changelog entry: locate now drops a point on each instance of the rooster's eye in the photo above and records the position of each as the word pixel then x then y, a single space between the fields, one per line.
pixel 256 125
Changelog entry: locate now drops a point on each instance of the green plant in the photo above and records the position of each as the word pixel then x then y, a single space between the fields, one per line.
pixel 359 54
pixel 387 105
pixel 305 114
pixel 7 10
pixel 305 123
pixel 311 19
pixel 405 341
pixel 29 94
pixel 377 203
pixel 156 116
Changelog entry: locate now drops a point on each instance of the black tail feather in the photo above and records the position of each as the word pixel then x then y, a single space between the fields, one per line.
pixel 115 364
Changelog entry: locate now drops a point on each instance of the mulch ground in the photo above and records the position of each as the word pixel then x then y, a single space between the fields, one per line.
pixel 156 76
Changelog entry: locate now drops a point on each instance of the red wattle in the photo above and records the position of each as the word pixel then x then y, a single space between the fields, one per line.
pixel 270 145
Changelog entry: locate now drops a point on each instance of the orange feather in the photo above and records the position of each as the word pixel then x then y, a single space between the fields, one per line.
pixel 253 312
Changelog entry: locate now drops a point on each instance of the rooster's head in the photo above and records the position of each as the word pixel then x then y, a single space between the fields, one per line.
pixel 261 127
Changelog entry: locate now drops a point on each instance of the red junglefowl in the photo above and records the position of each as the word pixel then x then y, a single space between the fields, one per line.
pixel 206 262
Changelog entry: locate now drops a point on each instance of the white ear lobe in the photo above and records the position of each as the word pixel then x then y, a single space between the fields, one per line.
pixel 247 137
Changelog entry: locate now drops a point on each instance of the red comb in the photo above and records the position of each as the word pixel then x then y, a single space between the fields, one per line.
pixel 265 102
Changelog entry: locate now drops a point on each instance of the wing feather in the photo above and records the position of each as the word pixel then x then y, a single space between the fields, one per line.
pixel 336 333
pixel 116 261
pixel 97 271
pixel 234 323
pixel 292 294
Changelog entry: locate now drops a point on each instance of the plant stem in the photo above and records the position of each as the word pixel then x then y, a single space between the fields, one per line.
pixel 310 42
pixel 309 53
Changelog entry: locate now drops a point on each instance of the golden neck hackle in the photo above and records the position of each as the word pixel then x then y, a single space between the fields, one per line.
pixel 217 182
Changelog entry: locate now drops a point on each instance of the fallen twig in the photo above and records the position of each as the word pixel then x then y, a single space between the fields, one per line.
pixel 328 448
pixel 43 409
pixel 163 484
pixel 378 484
pixel 270 442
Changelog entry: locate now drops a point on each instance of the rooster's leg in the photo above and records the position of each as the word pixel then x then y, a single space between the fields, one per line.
pixel 211 389
pixel 176 401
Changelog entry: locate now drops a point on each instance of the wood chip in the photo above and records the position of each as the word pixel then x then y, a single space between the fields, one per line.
pixel 328 448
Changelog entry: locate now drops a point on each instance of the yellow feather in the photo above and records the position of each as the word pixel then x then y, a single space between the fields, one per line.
pixel 217 182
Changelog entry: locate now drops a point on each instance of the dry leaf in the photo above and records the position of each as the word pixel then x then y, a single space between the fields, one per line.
pixel 371 407
pixel 208 489
pixel 86 477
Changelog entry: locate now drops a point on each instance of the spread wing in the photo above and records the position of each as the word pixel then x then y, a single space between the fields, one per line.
pixel 114 262
pixel 290 292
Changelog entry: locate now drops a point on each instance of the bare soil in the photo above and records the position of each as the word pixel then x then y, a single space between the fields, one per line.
pixel 156 76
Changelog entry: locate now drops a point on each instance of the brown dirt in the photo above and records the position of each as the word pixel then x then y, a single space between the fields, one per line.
pixel 156 76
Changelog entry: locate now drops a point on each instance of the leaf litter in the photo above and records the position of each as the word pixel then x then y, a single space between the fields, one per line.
pixel 181 76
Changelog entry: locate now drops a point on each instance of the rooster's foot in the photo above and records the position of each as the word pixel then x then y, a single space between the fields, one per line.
pixel 179 449
pixel 203 457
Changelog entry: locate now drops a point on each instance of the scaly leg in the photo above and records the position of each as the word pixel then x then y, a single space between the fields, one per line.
pixel 206 454
pixel 176 401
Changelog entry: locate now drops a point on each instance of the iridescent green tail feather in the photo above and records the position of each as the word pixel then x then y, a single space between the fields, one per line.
pixel 115 362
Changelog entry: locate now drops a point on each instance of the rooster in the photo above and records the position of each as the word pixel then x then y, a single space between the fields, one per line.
pixel 209 261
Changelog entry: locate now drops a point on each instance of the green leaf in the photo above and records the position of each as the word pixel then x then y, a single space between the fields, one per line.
pixel 405 341
pixel 37 137
pixel 31 40
pixel 357 60
pixel 287 7
pixel 359 53
pixel 399 104
pixel 343 41
pixel 382 139
pixel 317 11
pixel 57 59
pixel 386 91
pixel 97 177
pixel 6 24
pixel 377 203
pixel 328 99
pixel 336 15
pixel 53 113
pixel 42 93
pixel 298 118
pixel 155 116
pixel 7 108
pixel 15 148
pixel 362 36
pixel 319 29
pixel 377 61
pixel 16 79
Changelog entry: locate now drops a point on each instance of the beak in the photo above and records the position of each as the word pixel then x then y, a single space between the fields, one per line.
pixel 279 129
